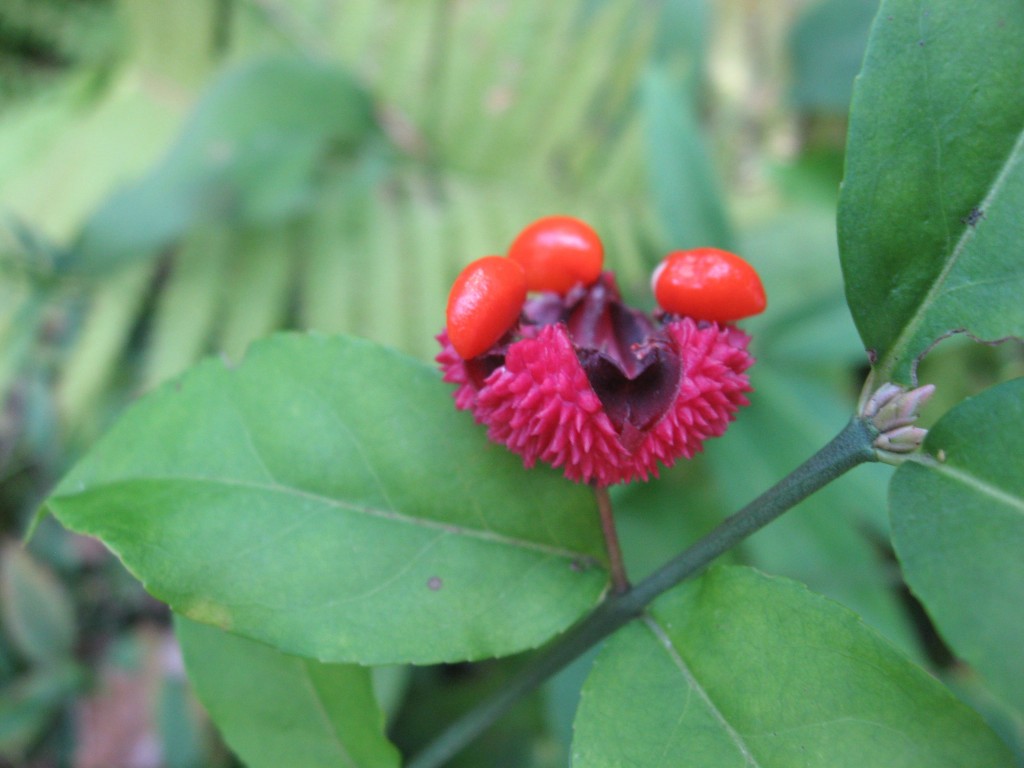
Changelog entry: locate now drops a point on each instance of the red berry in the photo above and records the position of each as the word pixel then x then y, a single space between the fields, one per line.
pixel 484 303
pixel 708 284
pixel 557 253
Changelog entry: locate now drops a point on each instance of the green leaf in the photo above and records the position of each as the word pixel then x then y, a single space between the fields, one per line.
pixel 325 497
pixel 36 610
pixel 181 730
pixel 739 669
pixel 1003 719
pixel 929 215
pixel 828 45
pixel 275 709
pixel 250 152
pixel 958 527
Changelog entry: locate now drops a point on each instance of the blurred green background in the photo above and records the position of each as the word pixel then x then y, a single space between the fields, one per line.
pixel 180 178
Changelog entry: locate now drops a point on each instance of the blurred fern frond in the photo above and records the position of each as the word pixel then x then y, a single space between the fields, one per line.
pixel 493 113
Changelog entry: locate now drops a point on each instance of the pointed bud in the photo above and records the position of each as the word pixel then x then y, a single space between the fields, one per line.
pixel 892 410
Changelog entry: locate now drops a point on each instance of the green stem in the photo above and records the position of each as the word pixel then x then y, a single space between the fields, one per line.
pixel 616 565
pixel 852 446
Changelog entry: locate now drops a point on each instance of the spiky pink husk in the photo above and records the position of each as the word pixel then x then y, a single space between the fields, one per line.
pixel 540 404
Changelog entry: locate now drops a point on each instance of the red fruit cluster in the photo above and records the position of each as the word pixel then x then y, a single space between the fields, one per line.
pixel 576 378
pixel 555 253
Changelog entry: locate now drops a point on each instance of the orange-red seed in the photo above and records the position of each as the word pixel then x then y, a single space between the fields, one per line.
pixel 557 253
pixel 708 284
pixel 484 303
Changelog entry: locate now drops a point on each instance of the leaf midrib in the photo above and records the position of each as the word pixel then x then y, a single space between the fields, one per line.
pixel 334 733
pixel 981 486
pixel 364 509
pixel 906 335
pixel 666 642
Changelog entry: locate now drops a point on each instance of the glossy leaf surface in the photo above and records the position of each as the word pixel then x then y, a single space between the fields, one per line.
pixel 325 497
pixel 958 527
pixel 929 215
pixel 275 709
pixel 739 669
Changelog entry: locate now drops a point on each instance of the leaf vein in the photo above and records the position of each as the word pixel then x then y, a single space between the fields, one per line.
pixel 906 335
pixel 694 685
pixel 365 509
pixel 975 482
pixel 329 724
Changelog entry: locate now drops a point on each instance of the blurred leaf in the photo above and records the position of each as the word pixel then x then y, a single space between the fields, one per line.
pixel 250 153
pixel 28 705
pixel 530 92
pixel 19 326
pixel 389 688
pixel 62 156
pixel 684 31
pixel 276 710
pixel 36 609
pixel 325 497
pixel 174 43
pixel 181 731
pixel 439 695
pixel 656 520
pixel 1004 720
pixel 828 45
pixel 741 669
pixel 683 182
pixel 958 527
pixel 41 39
pixel 257 288
pixel 929 215
pixel 87 369
pixel 186 309
pixel 807 323
pixel 562 698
